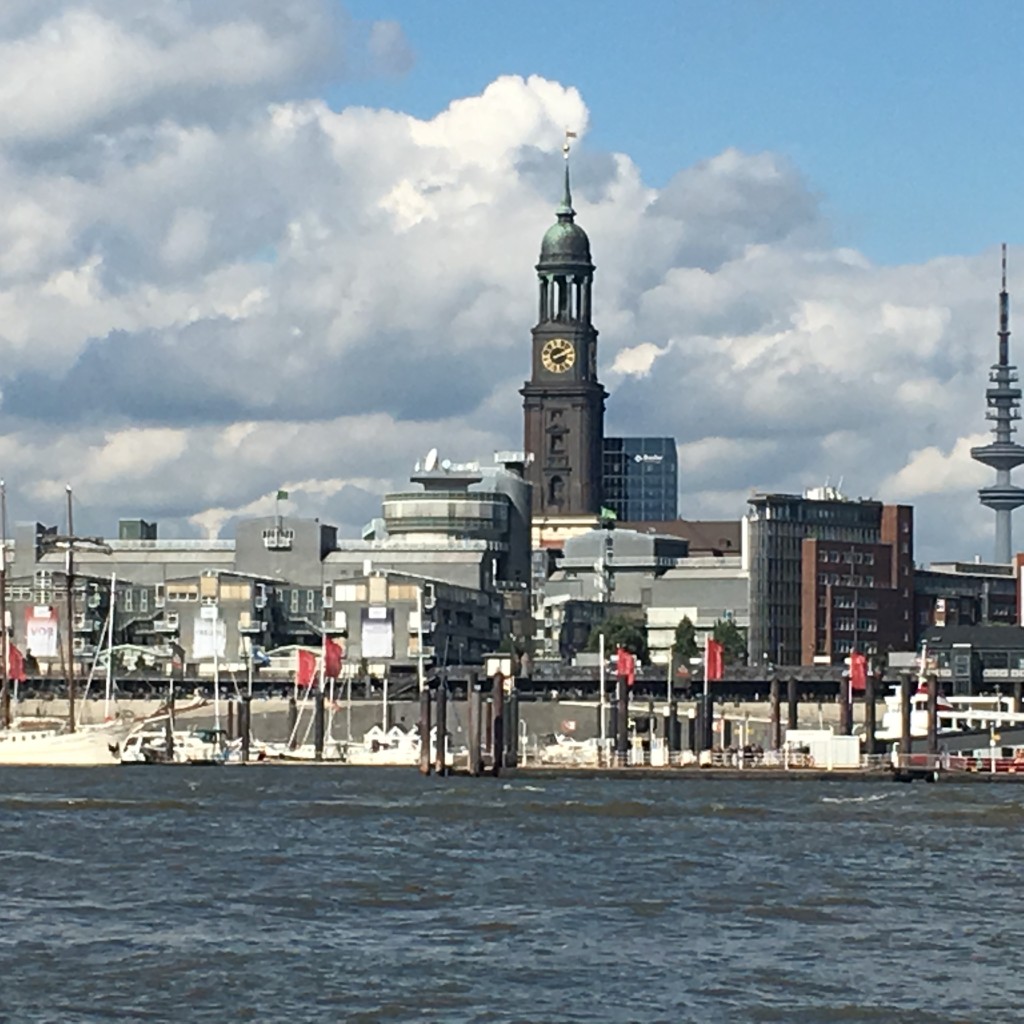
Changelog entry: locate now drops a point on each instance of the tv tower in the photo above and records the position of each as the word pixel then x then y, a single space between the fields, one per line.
pixel 1003 454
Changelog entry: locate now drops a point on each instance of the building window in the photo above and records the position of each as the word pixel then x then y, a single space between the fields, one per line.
pixel 128 599
pixel 143 600
pixel 310 600
pixel 294 602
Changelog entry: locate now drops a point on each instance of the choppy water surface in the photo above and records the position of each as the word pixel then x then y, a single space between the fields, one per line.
pixel 313 894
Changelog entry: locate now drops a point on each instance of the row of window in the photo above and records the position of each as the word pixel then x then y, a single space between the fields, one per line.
pixel 825 579
pixel 860 625
pixel 849 557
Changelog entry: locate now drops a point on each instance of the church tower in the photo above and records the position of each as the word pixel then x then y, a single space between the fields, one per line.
pixel 563 401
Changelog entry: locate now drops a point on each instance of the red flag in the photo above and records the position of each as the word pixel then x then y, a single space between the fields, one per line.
pixel 625 666
pixel 858 672
pixel 333 653
pixel 15 664
pixel 713 660
pixel 306 671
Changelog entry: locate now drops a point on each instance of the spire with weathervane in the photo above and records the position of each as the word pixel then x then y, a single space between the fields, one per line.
pixel 1003 454
pixel 563 401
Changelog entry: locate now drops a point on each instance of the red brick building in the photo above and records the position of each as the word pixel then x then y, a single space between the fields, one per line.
pixel 859 596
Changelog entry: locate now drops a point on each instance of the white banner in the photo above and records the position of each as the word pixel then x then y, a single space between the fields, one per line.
pixel 203 638
pixel 378 633
pixel 41 632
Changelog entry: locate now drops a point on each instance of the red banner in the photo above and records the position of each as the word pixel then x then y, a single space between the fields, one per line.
pixel 305 673
pixel 15 664
pixel 333 655
pixel 714 660
pixel 858 672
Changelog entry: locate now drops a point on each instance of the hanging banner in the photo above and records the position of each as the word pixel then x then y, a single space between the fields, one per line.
pixel 209 637
pixel 41 632
pixel 378 632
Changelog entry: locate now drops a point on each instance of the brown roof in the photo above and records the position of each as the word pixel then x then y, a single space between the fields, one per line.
pixel 709 536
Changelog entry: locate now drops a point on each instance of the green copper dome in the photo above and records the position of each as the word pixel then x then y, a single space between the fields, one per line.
pixel 565 242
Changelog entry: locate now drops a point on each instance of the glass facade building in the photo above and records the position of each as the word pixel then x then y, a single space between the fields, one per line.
pixel 640 478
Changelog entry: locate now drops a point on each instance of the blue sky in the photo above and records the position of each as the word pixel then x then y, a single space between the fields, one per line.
pixel 902 116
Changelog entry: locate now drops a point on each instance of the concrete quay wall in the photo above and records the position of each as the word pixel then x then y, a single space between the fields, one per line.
pixel 577 719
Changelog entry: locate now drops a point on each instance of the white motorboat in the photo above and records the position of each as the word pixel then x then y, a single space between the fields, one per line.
pixel 148 745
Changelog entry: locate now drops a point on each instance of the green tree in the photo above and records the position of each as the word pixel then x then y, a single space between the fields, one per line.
pixel 620 631
pixel 733 641
pixel 685 646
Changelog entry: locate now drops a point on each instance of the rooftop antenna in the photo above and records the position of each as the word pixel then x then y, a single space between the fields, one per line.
pixel 430 462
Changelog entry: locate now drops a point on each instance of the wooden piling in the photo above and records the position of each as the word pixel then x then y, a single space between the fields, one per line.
pixel 845 708
pixel 512 730
pixel 1018 696
pixel 245 726
pixel 476 707
pixel 318 724
pixel 293 721
pixel 497 723
pixel 906 693
pixel 425 731
pixel 231 720
pixel 672 728
pixel 775 714
pixel 792 703
pixel 870 725
pixel 622 722
pixel 441 746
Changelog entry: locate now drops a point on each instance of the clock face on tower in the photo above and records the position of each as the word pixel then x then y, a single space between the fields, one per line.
pixel 558 355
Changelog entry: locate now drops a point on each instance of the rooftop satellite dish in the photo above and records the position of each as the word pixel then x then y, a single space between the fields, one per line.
pixel 430 462
pixel 446 465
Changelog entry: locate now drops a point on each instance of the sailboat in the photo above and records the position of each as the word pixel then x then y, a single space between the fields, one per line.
pixel 49 741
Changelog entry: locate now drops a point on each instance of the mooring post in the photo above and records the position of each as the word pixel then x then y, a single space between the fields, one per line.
pixel 775 714
pixel 318 724
pixel 425 731
pixel 933 720
pixel 706 720
pixel 869 715
pixel 231 720
pixel 906 695
pixel 1018 696
pixel 476 707
pixel 652 728
pixel 845 707
pixel 512 730
pixel 622 722
pixel 244 726
pixel 441 752
pixel 672 729
pixel 293 721
pixel 792 702
pixel 497 723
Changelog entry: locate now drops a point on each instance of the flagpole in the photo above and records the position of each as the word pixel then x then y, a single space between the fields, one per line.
pixel 110 650
pixel 216 668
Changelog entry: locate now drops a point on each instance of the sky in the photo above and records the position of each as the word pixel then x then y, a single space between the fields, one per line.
pixel 260 244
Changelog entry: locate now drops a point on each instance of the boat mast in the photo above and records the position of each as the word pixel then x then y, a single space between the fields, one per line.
pixel 70 576
pixel 109 689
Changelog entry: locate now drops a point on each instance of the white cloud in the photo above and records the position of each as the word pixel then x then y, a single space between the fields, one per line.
pixel 212 284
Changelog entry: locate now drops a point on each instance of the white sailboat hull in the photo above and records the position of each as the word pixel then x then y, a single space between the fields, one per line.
pixel 88 746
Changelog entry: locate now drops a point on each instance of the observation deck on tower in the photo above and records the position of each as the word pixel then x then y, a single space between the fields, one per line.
pixel 1003 454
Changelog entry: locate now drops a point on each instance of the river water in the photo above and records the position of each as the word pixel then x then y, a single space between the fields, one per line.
pixel 340 894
